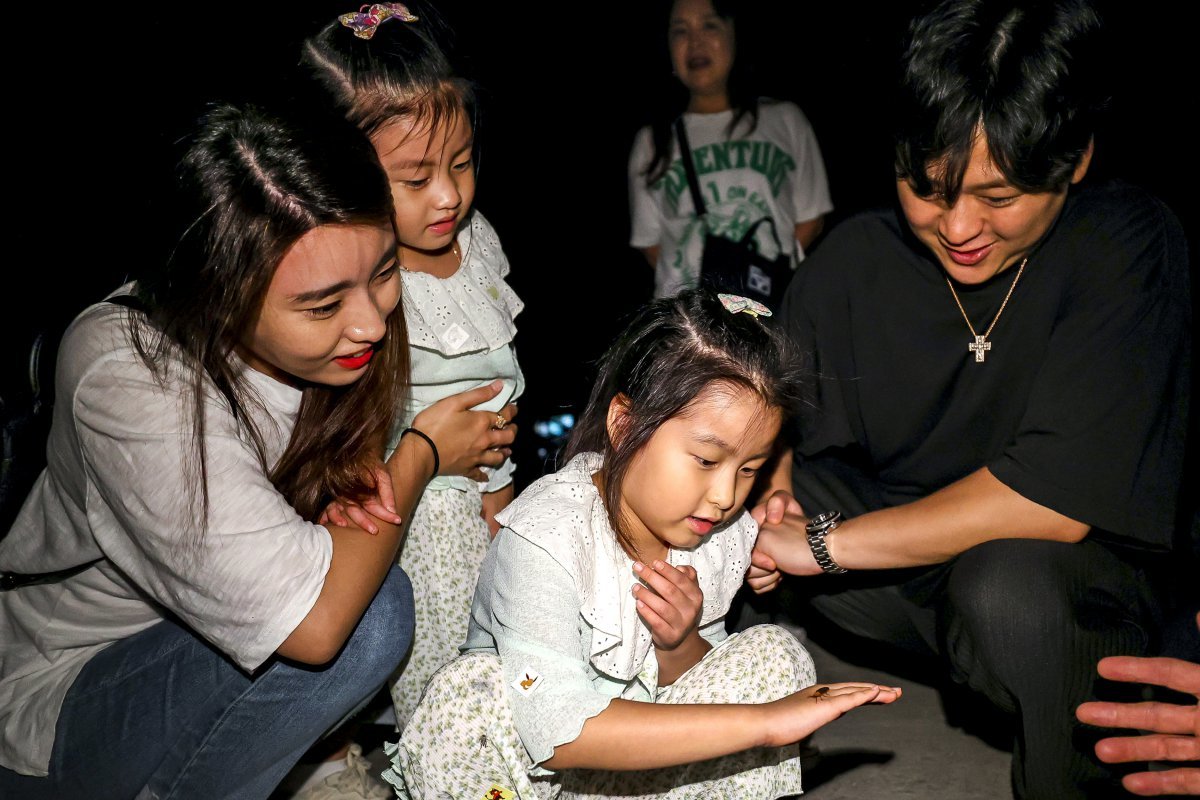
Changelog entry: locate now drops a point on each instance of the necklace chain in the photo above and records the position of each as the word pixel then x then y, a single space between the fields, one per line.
pixel 981 343
pixel 453 249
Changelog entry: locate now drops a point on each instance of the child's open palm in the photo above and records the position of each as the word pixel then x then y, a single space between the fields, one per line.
pixel 671 608
pixel 791 718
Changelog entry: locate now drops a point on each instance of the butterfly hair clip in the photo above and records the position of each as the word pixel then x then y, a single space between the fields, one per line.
pixel 735 303
pixel 366 20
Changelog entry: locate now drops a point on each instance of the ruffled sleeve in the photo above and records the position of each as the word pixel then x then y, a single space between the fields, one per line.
pixel 564 515
pixel 536 628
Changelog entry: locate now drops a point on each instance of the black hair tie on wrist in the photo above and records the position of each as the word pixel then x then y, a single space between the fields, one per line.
pixel 437 461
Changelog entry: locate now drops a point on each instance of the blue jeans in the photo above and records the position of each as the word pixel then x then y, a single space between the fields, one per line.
pixel 163 714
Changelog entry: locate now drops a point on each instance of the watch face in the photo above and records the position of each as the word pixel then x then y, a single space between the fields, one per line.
pixel 823 519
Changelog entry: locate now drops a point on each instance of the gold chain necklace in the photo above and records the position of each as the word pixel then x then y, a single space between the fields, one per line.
pixel 981 345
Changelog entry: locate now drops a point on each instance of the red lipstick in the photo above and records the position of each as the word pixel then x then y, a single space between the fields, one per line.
pixel 355 362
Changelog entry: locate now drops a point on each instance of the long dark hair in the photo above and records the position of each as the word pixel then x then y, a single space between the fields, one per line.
pixel 1026 73
pixel 403 70
pixel 672 350
pixel 743 94
pixel 251 184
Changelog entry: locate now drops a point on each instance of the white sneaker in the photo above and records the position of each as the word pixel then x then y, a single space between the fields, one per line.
pixel 355 781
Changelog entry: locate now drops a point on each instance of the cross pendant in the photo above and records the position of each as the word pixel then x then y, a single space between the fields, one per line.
pixel 981 346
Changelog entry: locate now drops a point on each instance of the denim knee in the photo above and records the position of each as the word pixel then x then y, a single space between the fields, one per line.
pixel 384 635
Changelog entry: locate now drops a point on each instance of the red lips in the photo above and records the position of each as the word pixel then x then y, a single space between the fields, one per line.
pixel 355 362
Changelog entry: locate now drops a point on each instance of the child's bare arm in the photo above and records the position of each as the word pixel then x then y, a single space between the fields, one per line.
pixel 493 504
pixel 668 734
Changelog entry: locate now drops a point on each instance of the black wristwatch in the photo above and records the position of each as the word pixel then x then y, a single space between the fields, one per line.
pixel 818 528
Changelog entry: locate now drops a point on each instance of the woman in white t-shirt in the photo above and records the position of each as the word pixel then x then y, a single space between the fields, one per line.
pixel 755 158
pixel 179 627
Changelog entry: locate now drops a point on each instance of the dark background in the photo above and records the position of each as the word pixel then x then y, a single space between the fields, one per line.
pixel 97 103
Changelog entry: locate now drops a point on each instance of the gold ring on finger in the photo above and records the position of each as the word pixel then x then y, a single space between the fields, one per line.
pixel 500 422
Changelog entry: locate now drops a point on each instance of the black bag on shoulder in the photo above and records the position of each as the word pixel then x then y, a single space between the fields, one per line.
pixel 736 266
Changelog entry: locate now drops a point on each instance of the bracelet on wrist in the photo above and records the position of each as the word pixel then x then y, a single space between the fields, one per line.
pixel 437 461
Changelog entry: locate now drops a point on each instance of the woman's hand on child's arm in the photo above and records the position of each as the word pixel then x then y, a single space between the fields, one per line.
pixel 493 504
pixel 347 513
pixel 469 439
pixel 671 604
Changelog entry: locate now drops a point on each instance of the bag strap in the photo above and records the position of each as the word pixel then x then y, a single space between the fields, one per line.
pixel 685 155
pixel 15 580
pixel 748 237
pixel 689 168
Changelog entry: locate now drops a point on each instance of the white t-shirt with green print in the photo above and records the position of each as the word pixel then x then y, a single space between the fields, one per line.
pixel 773 170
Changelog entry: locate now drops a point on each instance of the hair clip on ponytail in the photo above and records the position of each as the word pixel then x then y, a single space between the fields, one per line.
pixel 736 303
pixel 367 19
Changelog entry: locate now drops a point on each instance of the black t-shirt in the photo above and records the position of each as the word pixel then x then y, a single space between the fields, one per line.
pixel 1081 403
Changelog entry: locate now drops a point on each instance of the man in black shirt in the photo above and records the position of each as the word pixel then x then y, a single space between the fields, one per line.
pixel 1000 374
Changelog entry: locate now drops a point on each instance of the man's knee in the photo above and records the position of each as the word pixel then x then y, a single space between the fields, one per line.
pixel 1007 584
pixel 1034 600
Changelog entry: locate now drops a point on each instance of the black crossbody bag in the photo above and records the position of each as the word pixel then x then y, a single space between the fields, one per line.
pixel 736 266
pixel 15 580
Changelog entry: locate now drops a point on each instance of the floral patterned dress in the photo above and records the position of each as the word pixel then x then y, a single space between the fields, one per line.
pixel 553 641
pixel 460 332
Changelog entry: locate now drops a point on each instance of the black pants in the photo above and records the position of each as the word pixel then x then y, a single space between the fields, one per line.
pixel 1023 622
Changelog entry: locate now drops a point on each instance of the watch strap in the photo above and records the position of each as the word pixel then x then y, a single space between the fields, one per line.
pixel 817 529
